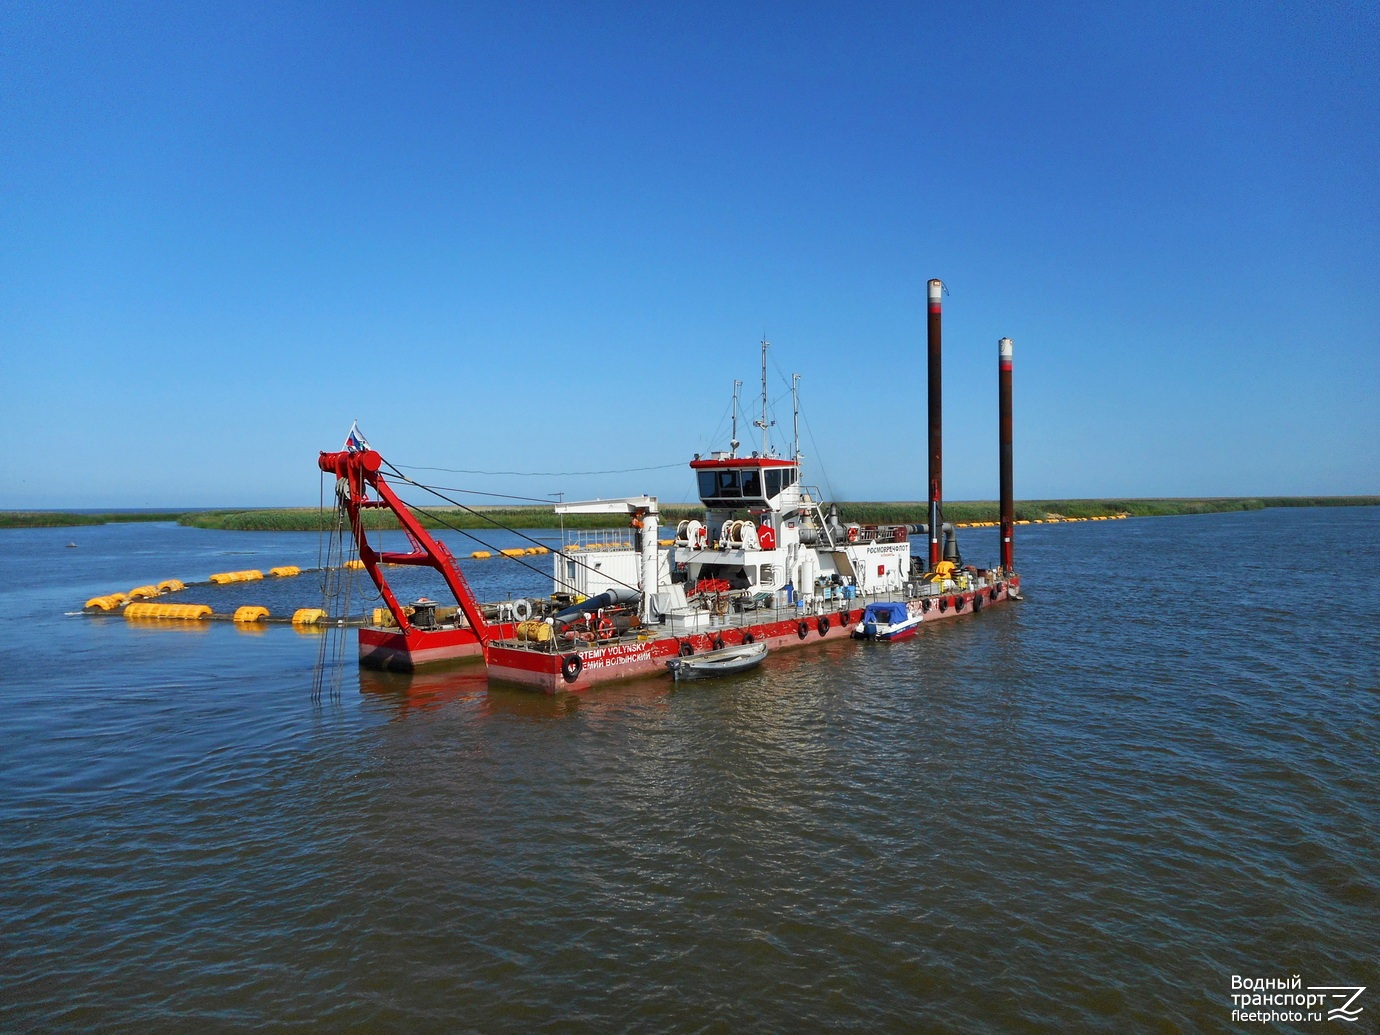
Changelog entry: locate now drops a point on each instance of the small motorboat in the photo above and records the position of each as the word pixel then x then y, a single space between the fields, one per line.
pixel 722 662
pixel 888 621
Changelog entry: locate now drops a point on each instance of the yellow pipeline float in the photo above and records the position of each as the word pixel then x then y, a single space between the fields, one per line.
pixel 180 612
pixel 225 577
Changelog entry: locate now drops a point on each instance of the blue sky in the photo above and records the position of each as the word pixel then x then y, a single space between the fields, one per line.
pixel 547 237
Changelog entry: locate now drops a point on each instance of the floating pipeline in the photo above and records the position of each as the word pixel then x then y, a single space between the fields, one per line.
pixel 304 618
pixel 117 601
pixel 1059 520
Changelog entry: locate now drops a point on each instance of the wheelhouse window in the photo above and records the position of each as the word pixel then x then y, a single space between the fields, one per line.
pixel 779 478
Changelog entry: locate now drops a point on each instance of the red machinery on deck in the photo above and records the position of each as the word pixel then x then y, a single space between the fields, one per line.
pixel 420 637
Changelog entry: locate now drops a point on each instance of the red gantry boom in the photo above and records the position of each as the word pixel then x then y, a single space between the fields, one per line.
pixel 356 473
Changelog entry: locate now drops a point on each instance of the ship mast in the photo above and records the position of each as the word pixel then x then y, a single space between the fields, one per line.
pixel 795 419
pixel 733 442
pixel 764 424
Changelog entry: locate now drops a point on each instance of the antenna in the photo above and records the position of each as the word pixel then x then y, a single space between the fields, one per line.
pixel 795 405
pixel 733 442
pixel 764 424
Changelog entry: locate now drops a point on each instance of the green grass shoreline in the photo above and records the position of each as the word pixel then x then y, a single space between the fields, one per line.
pixel 310 519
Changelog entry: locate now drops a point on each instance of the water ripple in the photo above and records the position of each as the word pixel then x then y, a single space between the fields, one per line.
pixel 1085 812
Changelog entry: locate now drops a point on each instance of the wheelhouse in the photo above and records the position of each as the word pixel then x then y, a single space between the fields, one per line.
pixel 731 483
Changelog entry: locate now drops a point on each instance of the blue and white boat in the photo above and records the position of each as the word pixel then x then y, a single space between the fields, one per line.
pixel 888 621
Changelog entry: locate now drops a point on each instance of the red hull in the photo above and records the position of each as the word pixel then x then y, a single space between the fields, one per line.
pixel 399 651
pixel 551 673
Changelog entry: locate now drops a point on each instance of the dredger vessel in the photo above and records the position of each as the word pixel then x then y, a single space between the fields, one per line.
pixel 768 564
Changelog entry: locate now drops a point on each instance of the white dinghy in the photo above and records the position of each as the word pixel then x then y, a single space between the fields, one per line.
pixel 722 662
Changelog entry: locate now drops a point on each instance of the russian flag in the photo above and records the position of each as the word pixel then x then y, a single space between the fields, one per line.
pixel 355 442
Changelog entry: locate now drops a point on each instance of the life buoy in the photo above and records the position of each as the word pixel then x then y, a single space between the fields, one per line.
pixel 852 535
pixel 570 667
pixel 718 643
pixel 802 630
pixel 605 629
pixel 749 638
pixel 686 649
pixel 823 624
pixel 522 610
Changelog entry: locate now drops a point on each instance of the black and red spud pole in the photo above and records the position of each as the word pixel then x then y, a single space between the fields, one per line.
pixel 936 424
pixel 1008 501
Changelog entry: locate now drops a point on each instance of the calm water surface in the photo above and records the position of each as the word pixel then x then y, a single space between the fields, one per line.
pixel 1084 812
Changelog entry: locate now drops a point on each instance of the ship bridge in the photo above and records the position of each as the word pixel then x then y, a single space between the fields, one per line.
pixel 728 482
